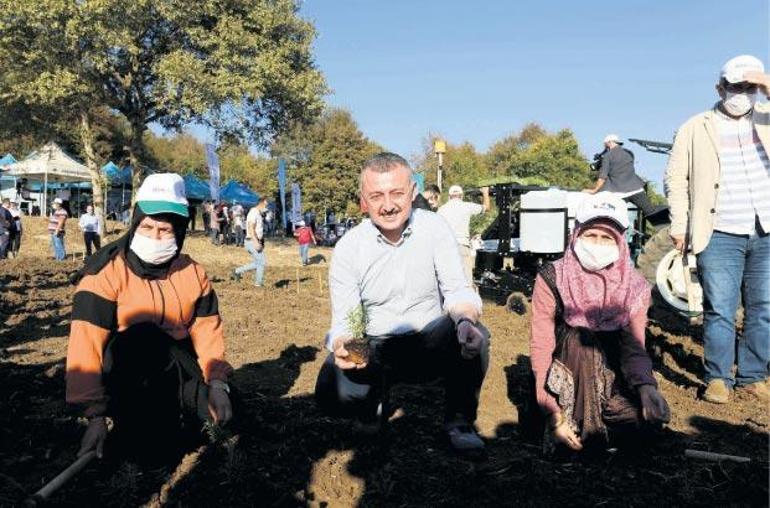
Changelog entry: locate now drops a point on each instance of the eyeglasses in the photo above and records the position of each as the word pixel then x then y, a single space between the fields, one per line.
pixel 742 87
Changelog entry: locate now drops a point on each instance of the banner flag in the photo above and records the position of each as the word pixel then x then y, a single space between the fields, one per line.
pixel 282 189
pixel 296 203
pixel 212 159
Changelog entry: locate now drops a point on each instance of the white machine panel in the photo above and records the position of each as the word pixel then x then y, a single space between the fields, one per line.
pixel 543 227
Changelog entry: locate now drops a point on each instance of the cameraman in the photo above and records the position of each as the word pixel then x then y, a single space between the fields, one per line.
pixel 617 174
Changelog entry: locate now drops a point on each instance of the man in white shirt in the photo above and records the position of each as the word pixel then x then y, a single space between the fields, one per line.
pixel 458 214
pixel 89 225
pixel 404 268
pixel 255 245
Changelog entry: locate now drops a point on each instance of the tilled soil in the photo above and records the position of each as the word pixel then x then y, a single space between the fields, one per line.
pixel 285 453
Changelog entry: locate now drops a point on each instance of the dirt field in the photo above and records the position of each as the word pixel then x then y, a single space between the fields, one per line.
pixel 287 454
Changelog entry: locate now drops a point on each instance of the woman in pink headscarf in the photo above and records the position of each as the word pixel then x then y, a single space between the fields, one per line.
pixel 592 373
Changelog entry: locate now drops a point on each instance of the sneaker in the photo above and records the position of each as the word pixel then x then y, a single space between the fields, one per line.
pixel 463 437
pixel 235 276
pixel 717 392
pixel 760 390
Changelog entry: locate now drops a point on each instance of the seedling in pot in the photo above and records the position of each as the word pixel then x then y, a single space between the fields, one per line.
pixel 358 346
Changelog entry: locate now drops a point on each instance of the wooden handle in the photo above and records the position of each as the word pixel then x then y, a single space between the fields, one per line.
pixel 715 457
pixel 62 478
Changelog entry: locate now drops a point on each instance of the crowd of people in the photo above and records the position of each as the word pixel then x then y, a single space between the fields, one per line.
pixel 405 270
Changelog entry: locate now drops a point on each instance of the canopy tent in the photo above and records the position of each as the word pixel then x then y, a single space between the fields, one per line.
pixel 6 160
pixel 49 164
pixel 195 188
pixel 234 191
pixel 115 175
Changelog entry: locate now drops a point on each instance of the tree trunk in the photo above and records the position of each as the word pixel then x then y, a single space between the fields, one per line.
pixel 97 179
pixel 135 153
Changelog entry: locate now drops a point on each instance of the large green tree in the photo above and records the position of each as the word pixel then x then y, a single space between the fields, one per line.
pixel 326 159
pixel 553 158
pixel 241 67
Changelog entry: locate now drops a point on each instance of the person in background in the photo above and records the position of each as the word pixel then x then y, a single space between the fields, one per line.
pixel 617 175
pixel 458 215
pixel 269 222
pixel 206 215
pixel 56 229
pixel 146 344
pixel 718 188
pixel 428 199
pixel 305 237
pixel 7 228
pixel 89 225
pixel 239 224
pixel 593 376
pixel 215 221
pixel 255 245
pixel 15 244
pixel 192 211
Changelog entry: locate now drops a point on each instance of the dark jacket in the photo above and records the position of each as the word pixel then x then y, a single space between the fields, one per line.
pixel 618 171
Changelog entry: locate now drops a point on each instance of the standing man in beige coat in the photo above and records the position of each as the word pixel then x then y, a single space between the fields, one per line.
pixel 718 188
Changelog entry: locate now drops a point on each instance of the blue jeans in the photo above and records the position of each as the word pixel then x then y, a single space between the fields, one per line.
pixel 57 242
pixel 258 263
pixel 303 253
pixel 731 265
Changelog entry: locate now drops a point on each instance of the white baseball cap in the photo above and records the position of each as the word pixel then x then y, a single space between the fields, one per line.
pixel 603 205
pixel 612 138
pixel 162 193
pixel 58 201
pixel 455 189
pixel 735 68
pixel 301 223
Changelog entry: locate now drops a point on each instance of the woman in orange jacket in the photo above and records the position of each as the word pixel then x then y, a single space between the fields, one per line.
pixel 146 343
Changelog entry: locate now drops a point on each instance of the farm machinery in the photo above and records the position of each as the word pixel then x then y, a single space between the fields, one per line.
pixel 533 226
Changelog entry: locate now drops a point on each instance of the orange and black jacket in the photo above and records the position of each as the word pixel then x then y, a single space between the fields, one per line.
pixel 182 303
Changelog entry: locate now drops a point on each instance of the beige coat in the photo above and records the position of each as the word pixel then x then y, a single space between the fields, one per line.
pixel 693 173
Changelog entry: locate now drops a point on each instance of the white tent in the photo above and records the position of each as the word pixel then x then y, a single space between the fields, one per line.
pixel 49 163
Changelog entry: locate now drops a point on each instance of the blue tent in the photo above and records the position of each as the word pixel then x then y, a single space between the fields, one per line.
pixel 116 175
pixel 195 188
pixel 7 159
pixel 234 191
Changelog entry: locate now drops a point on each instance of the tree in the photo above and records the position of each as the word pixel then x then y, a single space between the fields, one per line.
pixel 242 67
pixel 181 153
pixel 554 158
pixel 463 165
pixel 326 159
pixel 43 59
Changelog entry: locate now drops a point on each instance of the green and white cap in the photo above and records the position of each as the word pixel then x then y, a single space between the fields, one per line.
pixel 162 193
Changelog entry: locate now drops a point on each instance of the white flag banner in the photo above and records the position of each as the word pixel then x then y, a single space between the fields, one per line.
pixel 212 159
pixel 296 203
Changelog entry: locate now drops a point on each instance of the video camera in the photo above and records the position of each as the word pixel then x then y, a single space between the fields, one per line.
pixel 596 165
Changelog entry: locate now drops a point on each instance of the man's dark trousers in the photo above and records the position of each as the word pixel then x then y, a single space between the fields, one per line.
pixel 414 358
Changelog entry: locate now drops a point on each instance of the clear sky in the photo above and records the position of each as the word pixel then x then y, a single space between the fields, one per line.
pixel 478 70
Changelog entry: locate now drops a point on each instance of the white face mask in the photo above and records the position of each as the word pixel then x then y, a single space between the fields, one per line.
pixel 738 104
pixel 154 252
pixel 594 256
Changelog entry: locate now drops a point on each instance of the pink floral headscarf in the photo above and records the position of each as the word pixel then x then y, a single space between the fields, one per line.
pixel 606 299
